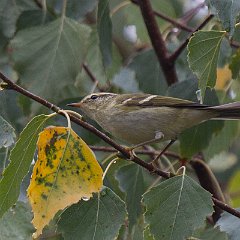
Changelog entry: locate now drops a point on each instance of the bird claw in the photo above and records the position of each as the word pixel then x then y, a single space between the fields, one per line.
pixel 132 153
pixel 155 166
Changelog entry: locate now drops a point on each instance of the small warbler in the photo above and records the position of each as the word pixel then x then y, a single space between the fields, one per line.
pixel 140 118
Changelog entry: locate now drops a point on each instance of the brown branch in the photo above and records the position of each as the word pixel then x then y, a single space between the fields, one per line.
pixel 125 152
pixel 225 207
pixel 158 42
pixel 180 49
pixel 174 22
pixel 142 151
pixel 191 13
pixel 92 77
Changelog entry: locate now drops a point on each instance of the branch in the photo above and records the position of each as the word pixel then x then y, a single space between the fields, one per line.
pixel 192 12
pixel 142 151
pixel 125 152
pixel 174 22
pixel 92 77
pixel 180 49
pixel 226 208
pixel 158 42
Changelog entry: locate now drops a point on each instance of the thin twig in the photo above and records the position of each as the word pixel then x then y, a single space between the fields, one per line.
pixel 143 151
pixel 180 49
pixel 125 152
pixel 92 77
pixel 158 42
pixel 226 207
pixel 174 22
pixel 191 13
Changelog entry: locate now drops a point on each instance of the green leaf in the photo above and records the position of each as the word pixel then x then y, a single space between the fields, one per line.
pixel 197 138
pixel 184 90
pixel 230 224
pixel 126 80
pixel 137 233
pixel 176 207
pixel 147 234
pixel 49 57
pixel 7 133
pixel 21 157
pixel 210 234
pixel 16 223
pixel 235 65
pixel 33 18
pixel 94 60
pixel 100 218
pixel 227 12
pixel 131 182
pixel 222 140
pixel 77 9
pixel 104 27
pixel 203 51
pixel 9 13
pixel 149 76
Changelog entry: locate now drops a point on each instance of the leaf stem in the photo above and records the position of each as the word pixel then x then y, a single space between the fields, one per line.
pixel 92 77
pixel 67 117
pixel 180 49
pixel 158 42
pixel 108 166
pixel 175 23
pixel 5 158
pixel 64 7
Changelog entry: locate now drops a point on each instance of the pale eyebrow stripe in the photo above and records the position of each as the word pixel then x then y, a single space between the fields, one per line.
pixel 147 99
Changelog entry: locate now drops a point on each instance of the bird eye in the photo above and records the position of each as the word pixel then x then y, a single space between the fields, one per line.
pixel 94 97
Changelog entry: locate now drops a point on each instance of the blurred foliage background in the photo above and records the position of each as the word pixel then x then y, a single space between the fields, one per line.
pixel 51 56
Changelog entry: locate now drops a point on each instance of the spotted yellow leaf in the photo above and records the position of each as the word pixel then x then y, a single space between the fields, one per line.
pixel 65 172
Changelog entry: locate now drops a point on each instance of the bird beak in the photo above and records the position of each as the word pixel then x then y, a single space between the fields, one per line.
pixel 78 105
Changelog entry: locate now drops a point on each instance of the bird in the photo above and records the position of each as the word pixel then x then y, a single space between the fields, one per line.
pixel 140 118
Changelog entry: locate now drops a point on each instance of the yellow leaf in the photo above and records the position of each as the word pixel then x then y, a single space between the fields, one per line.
pixel 65 172
pixel 224 76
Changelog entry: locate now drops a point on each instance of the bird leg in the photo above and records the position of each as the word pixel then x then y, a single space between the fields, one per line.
pixel 155 160
pixel 158 137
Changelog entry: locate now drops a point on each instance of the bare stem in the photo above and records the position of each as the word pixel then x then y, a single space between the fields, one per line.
pixel 191 13
pixel 92 77
pixel 174 22
pixel 180 49
pixel 158 42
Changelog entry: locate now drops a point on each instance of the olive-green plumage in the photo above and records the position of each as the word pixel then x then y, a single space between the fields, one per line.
pixel 138 118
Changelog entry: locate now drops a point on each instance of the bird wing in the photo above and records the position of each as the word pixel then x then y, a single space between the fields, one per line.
pixel 148 100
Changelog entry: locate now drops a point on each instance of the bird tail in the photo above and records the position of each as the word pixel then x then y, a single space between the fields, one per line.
pixel 227 111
